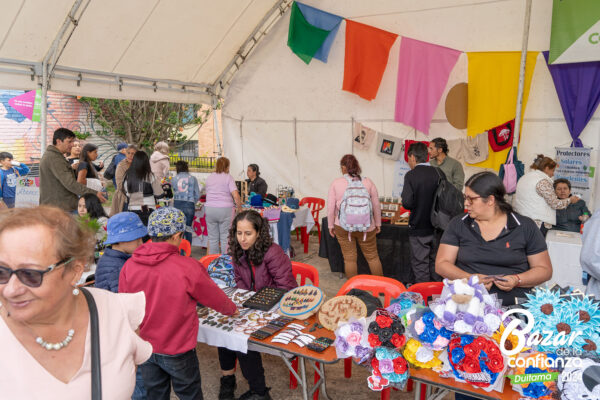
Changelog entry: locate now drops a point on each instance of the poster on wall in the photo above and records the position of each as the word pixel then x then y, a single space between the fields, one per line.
pixel 574 165
pixel 27 192
pixel 400 169
pixel 28 104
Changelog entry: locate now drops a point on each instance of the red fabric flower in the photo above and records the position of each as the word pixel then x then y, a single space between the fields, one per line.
pixel 374 340
pixel 492 349
pixel 398 340
pixel 375 366
pixel 480 343
pixel 470 365
pixel 383 321
pixel 400 365
pixel 454 342
pixel 495 363
pixel 471 350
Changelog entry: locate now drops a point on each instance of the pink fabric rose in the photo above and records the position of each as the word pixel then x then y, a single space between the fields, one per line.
pixel 440 343
pixel 437 324
pixel 353 338
pixel 419 326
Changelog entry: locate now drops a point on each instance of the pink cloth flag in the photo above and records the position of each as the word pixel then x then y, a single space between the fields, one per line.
pixel 423 72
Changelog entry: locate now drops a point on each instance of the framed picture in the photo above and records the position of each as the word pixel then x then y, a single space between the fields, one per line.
pixel 387 147
pixel 393 207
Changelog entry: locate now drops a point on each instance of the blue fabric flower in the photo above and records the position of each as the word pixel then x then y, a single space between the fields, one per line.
pixel 445 333
pixel 466 339
pixel 535 390
pixel 428 318
pixel 457 355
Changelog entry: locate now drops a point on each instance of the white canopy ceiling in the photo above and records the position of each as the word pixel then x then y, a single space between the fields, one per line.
pixel 171 50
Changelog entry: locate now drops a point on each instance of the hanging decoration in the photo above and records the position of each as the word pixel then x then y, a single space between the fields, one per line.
pixel 322 20
pixel 423 72
pixel 578 89
pixel 304 39
pixel 389 147
pixel 363 136
pixel 501 137
pixel 493 87
pixel 367 52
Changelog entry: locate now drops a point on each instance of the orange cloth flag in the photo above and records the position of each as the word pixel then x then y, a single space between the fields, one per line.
pixel 367 51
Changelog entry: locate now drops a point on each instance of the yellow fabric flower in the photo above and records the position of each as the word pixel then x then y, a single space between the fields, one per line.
pixel 511 341
pixel 410 354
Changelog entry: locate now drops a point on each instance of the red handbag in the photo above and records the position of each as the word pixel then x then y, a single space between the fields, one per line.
pixel 501 136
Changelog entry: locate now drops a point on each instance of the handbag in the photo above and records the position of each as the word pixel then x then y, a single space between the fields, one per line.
pixel 511 171
pixel 95 339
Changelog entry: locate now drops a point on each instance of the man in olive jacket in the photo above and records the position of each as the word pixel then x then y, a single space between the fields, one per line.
pixel 58 186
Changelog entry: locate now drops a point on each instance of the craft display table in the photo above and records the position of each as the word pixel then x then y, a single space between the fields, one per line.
pixel 314 359
pixel 432 379
pixel 564 249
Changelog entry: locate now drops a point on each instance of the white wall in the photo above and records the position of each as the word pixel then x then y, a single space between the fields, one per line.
pixel 295 121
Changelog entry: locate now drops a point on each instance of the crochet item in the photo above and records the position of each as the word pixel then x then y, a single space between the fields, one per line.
pixel 390 365
pixel 465 306
pixel 476 360
pixel 386 330
pixel 429 330
pixel 351 341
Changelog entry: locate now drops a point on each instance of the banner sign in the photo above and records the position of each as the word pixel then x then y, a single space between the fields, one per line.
pixel 574 165
pixel 575 35
pixel 28 104
pixel 27 192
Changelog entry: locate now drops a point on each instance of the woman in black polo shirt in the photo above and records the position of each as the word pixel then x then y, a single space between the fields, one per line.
pixel 506 250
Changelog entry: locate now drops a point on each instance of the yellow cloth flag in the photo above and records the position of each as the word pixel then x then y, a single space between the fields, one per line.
pixel 493 88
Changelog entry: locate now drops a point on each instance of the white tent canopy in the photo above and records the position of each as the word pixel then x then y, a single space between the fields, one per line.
pixel 169 50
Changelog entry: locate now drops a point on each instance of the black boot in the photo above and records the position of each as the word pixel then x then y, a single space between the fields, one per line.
pixel 252 395
pixel 227 389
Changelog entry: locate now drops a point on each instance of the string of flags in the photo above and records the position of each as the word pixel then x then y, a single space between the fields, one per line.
pixel 423 73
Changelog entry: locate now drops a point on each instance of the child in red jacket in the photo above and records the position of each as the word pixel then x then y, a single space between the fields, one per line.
pixel 173 284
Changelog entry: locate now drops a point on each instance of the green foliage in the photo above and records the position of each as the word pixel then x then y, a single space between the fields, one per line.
pixel 144 123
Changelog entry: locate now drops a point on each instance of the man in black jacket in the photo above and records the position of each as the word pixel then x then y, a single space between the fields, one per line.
pixel 420 184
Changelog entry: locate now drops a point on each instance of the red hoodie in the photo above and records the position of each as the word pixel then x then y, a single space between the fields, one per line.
pixel 173 284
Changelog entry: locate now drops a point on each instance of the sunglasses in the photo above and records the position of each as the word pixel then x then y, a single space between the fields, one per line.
pixel 30 277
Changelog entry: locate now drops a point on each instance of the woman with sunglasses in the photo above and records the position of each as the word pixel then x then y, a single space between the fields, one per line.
pixel 505 250
pixel 45 340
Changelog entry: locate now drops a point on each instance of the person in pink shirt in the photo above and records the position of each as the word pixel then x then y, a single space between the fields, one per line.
pixel 45 337
pixel 221 197
pixel 348 240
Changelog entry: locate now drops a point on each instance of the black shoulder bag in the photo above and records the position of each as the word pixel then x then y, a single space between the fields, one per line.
pixel 96 370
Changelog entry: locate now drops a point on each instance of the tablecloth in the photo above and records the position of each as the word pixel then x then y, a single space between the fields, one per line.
pixel 564 249
pixel 392 245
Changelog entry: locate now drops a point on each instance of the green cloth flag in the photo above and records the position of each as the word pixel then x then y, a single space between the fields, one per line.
pixel 303 38
pixel 575 35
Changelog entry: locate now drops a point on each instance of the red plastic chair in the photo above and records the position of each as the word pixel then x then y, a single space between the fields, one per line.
pixel 208 259
pixel 390 288
pixel 316 205
pixel 305 271
pixel 426 289
pixel 186 247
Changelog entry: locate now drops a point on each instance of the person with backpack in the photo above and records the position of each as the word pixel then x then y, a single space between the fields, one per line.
pixel 420 186
pixel 111 170
pixel 354 216
pixel 10 171
pixel 438 157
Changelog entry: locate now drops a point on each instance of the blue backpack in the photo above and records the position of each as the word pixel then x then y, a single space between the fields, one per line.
pixel 221 271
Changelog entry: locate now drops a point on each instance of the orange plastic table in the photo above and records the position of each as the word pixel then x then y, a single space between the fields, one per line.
pixel 316 360
pixel 432 378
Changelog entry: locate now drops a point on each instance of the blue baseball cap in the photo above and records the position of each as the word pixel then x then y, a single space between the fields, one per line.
pixel 124 227
pixel 122 146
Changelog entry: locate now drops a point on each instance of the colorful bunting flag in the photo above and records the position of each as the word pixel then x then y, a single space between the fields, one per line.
pixel 493 88
pixel 303 38
pixel 423 72
pixel 367 52
pixel 322 20
pixel 578 89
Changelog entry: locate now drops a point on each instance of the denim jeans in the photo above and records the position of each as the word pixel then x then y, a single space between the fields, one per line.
pixel 189 209
pixel 139 393
pixel 180 370
pixel 9 201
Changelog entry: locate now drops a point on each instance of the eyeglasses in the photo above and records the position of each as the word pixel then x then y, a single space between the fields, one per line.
pixel 470 199
pixel 30 277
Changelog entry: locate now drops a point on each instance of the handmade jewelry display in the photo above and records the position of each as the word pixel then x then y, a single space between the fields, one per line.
pixel 265 299
pixel 301 302
pixel 340 309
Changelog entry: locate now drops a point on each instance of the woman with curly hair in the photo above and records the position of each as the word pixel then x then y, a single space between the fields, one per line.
pixel 257 263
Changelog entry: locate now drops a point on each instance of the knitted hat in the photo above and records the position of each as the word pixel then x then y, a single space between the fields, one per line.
pixel 124 227
pixel 166 221
pixel 122 146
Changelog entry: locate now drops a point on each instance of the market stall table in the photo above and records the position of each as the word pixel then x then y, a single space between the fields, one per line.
pixel 432 378
pixel 564 249
pixel 392 245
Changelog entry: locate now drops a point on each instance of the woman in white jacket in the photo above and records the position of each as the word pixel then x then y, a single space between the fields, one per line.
pixel 535 197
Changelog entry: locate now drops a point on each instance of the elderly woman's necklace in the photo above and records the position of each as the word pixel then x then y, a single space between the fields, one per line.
pixel 59 345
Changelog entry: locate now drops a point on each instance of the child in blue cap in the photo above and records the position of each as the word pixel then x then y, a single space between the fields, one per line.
pixel 124 232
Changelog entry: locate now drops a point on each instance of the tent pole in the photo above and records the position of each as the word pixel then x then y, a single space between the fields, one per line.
pixel 44 110
pixel 216 125
pixel 522 74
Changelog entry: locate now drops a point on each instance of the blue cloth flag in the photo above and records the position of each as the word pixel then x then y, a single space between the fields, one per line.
pixel 322 20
